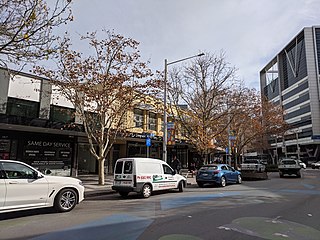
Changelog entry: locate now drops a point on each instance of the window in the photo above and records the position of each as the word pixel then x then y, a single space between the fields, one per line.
pixel 152 121
pixel 138 118
pixel 119 167
pixel 61 114
pixel 127 167
pixel 18 171
pixel 167 170
pixel 22 108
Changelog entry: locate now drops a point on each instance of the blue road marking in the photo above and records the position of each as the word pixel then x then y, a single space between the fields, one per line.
pixel 184 201
pixel 308 185
pixel 311 192
pixel 115 227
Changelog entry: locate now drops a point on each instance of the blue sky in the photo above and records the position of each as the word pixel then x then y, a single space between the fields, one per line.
pixel 251 32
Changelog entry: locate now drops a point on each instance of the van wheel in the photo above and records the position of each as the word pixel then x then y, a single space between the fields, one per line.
pixel 123 194
pixel 180 187
pixel 146 191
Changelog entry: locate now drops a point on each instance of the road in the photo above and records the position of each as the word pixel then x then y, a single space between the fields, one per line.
pixel 286 208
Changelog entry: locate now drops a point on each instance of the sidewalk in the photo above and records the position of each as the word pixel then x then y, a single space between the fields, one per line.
pixel 92 188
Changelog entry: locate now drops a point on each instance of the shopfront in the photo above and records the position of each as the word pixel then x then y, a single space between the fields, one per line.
pixel 48 153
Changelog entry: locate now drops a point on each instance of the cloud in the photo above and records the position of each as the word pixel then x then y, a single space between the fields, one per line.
pixel 251 32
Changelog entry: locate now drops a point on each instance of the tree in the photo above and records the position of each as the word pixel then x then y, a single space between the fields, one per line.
pixel 203 87
pixel 26 29
pixel 103 87
pixel 256 119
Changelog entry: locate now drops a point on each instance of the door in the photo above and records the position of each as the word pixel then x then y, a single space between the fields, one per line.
pixel 23 188
pixel 3 189
pixel 233 176
pixel 170 179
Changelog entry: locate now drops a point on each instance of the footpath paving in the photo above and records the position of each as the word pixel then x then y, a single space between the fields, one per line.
pixel 92 188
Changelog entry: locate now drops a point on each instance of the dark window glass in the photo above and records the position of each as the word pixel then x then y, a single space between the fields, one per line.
pixel 272 89
pixel 295 102
pixel 295 91
pixel 127 167
pixel 167 169
pixel 292 62
pixel 302 110
pixel 18 171
pixel 119 167
pixel 61 114
pixel 22 108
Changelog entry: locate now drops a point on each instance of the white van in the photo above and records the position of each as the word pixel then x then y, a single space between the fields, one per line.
pixel 145 175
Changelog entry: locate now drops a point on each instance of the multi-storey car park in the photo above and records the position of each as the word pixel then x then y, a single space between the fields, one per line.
pixel 291 79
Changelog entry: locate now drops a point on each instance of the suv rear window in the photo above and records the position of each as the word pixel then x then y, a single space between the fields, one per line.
pixel 289 162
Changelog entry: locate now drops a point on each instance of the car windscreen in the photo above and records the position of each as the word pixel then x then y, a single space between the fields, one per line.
pixel 208 168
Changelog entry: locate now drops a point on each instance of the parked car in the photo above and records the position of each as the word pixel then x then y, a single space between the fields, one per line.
pixel 144 176
pixel 23 187
pixel 220 174
pixel 302 164
pixel 315 165
pixel 289 166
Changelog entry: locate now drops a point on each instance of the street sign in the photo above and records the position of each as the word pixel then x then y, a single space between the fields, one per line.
pixel 148 142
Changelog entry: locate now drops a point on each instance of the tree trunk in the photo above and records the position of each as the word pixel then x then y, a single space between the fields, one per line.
pixel 101 170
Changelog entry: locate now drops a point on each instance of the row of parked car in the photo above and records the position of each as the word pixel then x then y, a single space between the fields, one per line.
pixel 23 187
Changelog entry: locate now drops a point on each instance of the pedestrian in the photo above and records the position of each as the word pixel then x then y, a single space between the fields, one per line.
pixel 176 164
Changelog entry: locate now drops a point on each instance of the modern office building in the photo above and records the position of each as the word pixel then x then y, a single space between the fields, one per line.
pixel 291 79
pixel 41 129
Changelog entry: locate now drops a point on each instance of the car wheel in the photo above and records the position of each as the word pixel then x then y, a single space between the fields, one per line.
pixel 298 174
pixel 239 179
pixel 123 194
pixel 223 182
pixel 146 191
pixel 313 167
pixel 200 184
pixel 66 200
pixel 180 187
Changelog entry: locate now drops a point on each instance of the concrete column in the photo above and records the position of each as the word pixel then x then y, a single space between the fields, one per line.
pixel 312 80
pixel 4 89
pixel 45 99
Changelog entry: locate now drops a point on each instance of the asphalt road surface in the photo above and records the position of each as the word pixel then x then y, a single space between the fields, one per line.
pixel 277 208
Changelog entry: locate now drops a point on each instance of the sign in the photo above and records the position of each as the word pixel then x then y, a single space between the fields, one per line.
pixel 171 133
pixel 148 142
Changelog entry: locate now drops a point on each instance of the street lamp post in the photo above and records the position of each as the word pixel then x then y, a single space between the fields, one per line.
pixel 165 123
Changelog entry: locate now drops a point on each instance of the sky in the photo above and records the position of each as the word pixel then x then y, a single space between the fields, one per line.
pixel 250 32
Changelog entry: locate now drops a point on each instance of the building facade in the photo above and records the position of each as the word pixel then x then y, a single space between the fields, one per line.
pixel 291 79
pixel 42 130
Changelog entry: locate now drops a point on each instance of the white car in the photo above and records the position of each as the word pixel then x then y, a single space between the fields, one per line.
pixel 302 164
pixel 315 165
pixel 23 187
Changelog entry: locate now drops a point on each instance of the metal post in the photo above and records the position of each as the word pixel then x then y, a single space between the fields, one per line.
pixel 165 112
pixel 165 121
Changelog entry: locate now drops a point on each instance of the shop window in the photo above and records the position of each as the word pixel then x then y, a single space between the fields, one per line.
pixel 152 121
pixel 22 108
pixel 61 114
pixel 138 118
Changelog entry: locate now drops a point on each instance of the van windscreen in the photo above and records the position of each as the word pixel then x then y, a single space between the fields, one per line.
pixel 119 167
